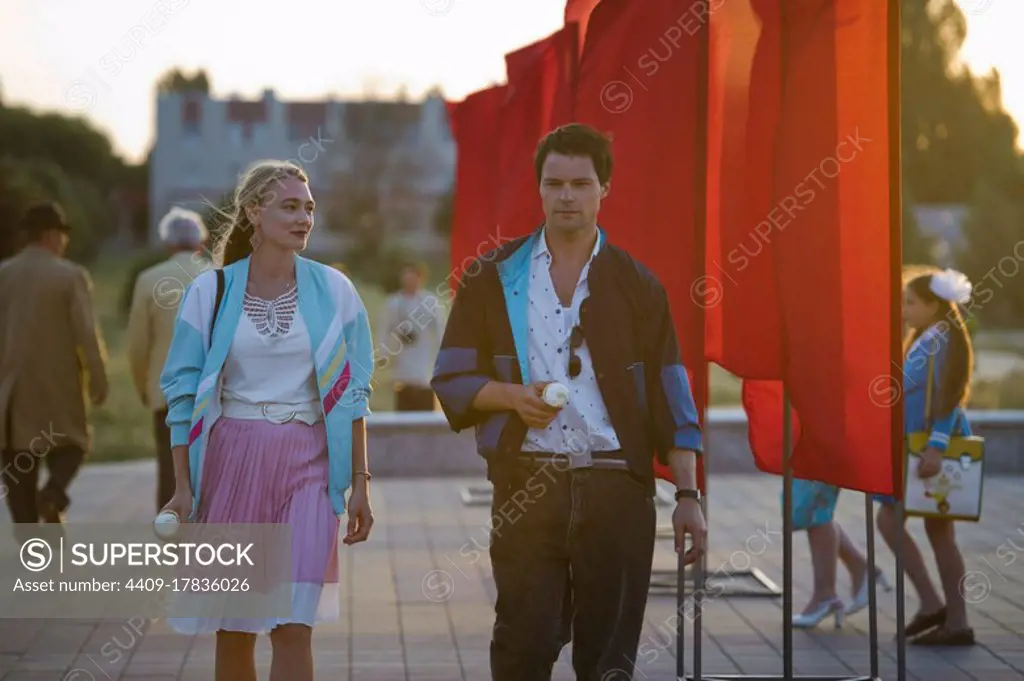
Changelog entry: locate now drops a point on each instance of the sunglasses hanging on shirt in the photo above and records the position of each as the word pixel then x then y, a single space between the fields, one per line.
pixel 575 341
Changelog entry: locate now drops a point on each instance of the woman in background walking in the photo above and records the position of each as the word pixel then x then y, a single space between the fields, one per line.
pixel 814 506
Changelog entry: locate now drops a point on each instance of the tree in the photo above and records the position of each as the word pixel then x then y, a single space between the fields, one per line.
pixel 954 129
pixel 25 181
pixel 70 142
pixel 51 156
pixel 959 146
pixel 997 258
pixel 917 247
pixel 176 80
pixel 15 197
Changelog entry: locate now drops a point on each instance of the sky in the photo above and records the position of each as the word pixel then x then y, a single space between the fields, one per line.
pixel 101 58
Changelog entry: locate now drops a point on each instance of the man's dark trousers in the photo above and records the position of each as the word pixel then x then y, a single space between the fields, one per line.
pixel 20 480
pixel 164 459
pixel 591 531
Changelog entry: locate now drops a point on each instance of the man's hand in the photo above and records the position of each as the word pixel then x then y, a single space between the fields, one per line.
pixel 531 407
pixel 688 520
pixel 931 463
pixel 360 515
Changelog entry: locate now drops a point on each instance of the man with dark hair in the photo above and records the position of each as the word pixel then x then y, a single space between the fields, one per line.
pixel 52 346
pixel 573 511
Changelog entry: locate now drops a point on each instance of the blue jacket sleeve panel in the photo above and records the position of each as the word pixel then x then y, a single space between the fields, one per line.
pixel 673 410
pixel 359 344
pixel 461 369
pixel 186 357
pixel 941 430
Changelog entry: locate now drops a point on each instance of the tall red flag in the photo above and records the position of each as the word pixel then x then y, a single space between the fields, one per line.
pixel 539 98
pixel 744 330
pixel 641 80
pixel 578 12
pixel 475 127
pixel 835 262
pixel 832 236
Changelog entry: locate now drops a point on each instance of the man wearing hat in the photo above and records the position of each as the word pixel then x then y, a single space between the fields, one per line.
pixel 51 357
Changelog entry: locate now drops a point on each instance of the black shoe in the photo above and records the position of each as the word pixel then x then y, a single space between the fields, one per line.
pixel 49 507
pixel 945 637
pixel 922 623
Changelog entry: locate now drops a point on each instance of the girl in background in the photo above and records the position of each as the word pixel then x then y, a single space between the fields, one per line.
pixel 937 330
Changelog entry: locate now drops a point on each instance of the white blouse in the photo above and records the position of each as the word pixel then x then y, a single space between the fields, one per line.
pixel 583 425
pixel 270 360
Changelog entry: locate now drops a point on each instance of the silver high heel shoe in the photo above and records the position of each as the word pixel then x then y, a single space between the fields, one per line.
pixel 813 618
pixel 860 600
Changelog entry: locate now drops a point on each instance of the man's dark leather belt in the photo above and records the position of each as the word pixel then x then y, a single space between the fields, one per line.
pixel 608 459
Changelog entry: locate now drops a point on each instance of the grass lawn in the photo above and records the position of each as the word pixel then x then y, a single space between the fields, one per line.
pixel 123 428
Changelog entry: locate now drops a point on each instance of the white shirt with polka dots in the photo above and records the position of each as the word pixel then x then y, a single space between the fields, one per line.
pixel 583 425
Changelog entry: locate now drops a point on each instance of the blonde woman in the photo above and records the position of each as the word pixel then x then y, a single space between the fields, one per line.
pixel 267 388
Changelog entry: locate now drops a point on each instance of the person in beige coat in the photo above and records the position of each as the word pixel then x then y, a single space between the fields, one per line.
pixel 52 362
pixel 158 291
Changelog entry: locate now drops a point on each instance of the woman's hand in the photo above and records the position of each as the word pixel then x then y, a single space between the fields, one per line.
pixel 360 515
pixel 180 503
pixel 931 463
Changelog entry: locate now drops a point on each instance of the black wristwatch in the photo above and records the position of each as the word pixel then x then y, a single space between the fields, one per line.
pixel 687 494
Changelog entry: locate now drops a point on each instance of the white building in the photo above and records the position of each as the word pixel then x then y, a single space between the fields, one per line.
pixel 204 144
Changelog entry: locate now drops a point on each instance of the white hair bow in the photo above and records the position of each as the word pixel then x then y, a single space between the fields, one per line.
pixel 952 286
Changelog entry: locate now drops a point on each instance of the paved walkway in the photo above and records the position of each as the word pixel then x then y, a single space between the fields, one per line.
pixel 418 597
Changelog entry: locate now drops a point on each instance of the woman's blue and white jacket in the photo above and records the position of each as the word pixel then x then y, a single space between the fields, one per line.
pixel 341 350
pixel 934 342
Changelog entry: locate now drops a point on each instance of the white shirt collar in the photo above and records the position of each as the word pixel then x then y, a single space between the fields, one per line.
pixel 541 247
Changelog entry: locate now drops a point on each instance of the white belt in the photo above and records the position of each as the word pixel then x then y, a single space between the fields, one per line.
pixel 307 412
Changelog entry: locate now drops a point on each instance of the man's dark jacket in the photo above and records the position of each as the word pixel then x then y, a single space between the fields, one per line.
pixel 628 328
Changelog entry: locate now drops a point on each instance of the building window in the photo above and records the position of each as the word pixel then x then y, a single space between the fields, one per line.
pixel 191 118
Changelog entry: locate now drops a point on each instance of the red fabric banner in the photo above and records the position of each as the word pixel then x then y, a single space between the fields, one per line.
pixel 640 80
pixel 744 330
pixel 474 124
pixel 578 12
pixel 539 98
pixel 829 227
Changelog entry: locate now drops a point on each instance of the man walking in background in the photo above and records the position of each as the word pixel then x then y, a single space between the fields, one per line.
pixel 411 337
pixel 158 291
pixel 51 355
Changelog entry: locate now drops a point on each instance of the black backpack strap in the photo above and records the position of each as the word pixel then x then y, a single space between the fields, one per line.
pixel 216 304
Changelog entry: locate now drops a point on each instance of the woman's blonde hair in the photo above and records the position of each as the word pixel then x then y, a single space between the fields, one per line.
pixel 254 189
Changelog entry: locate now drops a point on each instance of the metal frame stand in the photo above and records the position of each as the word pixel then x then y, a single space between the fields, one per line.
pixel 893 82
pixel 665 582
pixel 787 607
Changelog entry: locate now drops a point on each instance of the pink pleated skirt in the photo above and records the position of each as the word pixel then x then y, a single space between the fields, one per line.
pixel 257 472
